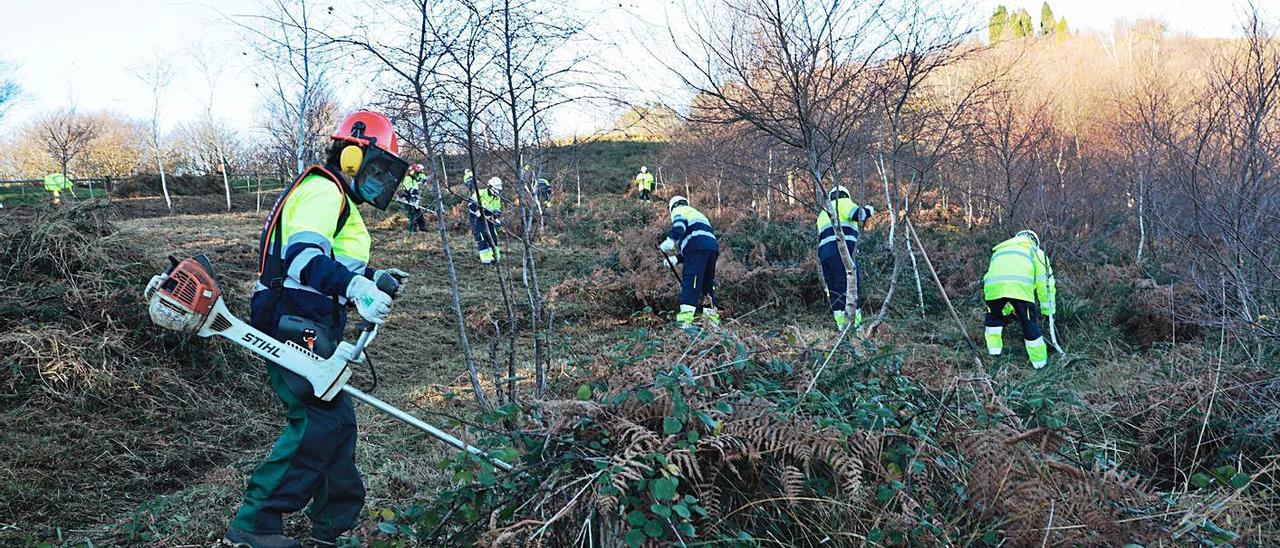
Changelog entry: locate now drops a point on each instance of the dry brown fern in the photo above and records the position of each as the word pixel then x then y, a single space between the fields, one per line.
pixel 1016 481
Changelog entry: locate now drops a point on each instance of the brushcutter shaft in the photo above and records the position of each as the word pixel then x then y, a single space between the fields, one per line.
pixel 420 425
pixel 670 268
pixel 1053 335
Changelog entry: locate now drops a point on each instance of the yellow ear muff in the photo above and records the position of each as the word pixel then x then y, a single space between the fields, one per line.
pixel 350 160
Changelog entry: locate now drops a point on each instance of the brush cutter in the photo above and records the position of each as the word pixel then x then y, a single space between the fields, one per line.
pixel 186 299
pixel 415 205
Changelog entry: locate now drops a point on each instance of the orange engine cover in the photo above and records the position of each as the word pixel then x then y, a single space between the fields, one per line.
pixel 191 283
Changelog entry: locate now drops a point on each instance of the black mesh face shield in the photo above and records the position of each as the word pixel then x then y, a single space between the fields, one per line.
pixel 379 177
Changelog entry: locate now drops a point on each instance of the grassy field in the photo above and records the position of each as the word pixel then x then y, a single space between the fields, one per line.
pixel 117 433
pixel 27 195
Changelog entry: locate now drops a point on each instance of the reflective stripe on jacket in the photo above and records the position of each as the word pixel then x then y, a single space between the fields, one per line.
pixel 1019 270
pixel 692 231
pixel 490 201
pixel 850 215
pixel 319 257
pixel 410 183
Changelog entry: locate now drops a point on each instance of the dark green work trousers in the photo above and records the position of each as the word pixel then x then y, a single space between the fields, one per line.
pixel 313 460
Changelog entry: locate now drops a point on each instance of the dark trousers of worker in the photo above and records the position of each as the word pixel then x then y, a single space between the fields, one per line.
pixel 838 282
pixel 1023 310
pixel 486 236
pixel 313 461
pixel 698 277
pixel 644 193
pixel 414 215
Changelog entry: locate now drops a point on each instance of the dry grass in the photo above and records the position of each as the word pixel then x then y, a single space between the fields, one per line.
pixel 103 410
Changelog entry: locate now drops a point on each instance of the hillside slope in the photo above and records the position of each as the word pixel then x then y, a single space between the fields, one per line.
pixel 768 430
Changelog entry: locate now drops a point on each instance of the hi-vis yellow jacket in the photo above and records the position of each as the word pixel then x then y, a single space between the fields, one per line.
pixel 1020 270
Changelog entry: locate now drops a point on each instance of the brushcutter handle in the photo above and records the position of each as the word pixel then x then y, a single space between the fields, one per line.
pixel 367 331
pixel 389 284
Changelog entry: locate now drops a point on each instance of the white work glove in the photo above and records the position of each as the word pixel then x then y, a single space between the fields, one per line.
pixel 399 276
pixel 668 246
pixel 370 301
pixel 671 261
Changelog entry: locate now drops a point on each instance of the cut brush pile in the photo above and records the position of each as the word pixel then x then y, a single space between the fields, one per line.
pixel 100 410
pixel 720 440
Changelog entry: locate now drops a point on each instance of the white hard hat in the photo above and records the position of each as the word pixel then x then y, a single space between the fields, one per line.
pixel 837 190
pixel 495 183
pixel 1029 234
pixel 644 169
pixel 675 201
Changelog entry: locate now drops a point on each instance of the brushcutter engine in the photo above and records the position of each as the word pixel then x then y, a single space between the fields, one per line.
pixel 182 298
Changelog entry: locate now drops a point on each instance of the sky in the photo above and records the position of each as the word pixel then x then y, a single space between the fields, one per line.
pixel 82 51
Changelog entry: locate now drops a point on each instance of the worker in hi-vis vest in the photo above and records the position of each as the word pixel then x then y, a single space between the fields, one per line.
pixel 834 277
pixel 54 184
pixel 411 196
pixel 644 183
pixel 692 243
pixel 314 252
pixel 1019 274
pixel 486 217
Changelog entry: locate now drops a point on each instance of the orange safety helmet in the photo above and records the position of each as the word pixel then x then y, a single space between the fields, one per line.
pixel 416 169
pixel 375 171
pixel 362 127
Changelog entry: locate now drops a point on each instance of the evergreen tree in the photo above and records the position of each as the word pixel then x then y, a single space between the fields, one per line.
pixel 1047 21
pixel 999 21
pixel 1022 25
pixel 1061 29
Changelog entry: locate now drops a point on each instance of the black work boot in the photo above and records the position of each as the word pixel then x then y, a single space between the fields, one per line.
pixel 244 539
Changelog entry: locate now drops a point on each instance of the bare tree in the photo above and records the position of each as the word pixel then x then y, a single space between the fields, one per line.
pixel 411 59
pixel 157 74
pixel 1225 184
pixel 469 60
pixel 66 135
pixel 9 90
pixel 922 122
pixel 322 115
pixel 211 68
pixel 531 70
pixel 1010 130
pixel 296 56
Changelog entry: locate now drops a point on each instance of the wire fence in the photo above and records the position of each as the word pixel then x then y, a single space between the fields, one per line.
pixel 31 191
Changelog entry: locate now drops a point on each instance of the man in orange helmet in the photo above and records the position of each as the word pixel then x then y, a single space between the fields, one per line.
pixel 314 254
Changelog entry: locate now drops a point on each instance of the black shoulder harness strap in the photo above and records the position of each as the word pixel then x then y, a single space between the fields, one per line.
pixel 271 271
